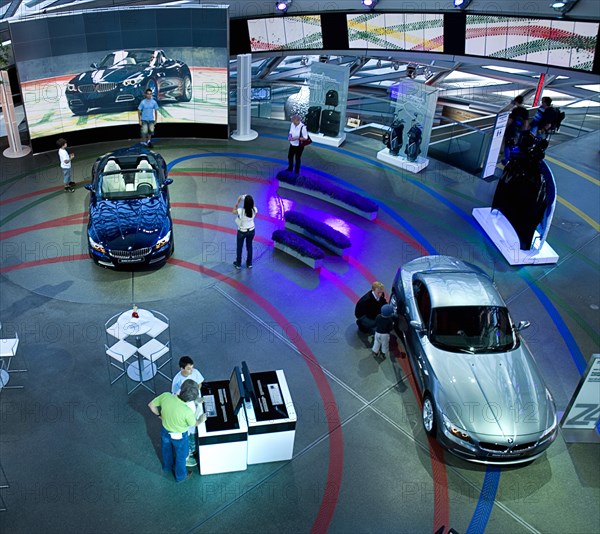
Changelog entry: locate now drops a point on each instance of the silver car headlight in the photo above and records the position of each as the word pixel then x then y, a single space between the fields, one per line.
pixel 134 81
pixel 96 246
pixel 162 242
pixel 456 431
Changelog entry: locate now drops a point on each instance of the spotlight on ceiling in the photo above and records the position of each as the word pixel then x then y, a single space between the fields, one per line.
pixel 461 4
pixel 563 6
pixel 283 5
pixel 369 3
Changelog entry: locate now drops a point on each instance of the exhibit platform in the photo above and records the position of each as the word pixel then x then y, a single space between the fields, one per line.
pixel 401 162
pixel 503 235
pixel 326 140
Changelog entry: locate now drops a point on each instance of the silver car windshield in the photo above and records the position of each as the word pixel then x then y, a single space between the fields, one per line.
pixel 472 329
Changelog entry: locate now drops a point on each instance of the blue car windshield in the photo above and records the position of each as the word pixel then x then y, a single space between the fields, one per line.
pixel 472 329
pixel 128 185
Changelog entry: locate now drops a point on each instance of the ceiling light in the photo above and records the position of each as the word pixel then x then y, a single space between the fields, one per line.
pixel 283 5
pixel 461 4
pixel 563 6
pixel 369 3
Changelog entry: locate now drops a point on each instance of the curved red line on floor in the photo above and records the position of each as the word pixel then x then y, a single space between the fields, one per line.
pixel 404 237
pixel 32 194
pixel 53 223
pixel 336 446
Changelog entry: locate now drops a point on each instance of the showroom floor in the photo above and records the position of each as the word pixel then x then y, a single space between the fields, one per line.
pixel 81 456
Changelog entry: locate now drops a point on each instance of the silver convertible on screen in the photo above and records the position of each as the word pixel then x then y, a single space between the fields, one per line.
pixel 483 396
pixel 120 80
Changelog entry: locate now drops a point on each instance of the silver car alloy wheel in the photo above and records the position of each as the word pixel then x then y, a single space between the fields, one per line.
pixel 428 414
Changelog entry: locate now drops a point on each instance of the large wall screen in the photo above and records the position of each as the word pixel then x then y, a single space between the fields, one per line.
pixel 286 33
pixel 560 43
pixel 90 70
pixel 396 31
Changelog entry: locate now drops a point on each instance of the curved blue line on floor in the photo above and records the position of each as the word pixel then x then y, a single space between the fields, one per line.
pixel 411 229
pixel 486 500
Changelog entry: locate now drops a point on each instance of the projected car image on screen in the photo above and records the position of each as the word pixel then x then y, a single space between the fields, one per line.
pixel 129 212
pixel 121 78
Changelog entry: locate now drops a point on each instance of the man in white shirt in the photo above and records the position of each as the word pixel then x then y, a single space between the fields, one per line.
pixel 187 372
pixel 65 164
pixel 297 132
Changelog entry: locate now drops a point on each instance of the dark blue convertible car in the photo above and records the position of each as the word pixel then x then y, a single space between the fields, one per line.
pixel 120 80
pixel 129 214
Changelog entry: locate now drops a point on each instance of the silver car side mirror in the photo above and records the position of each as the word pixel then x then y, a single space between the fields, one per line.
pixel 417 326
pixel 523 325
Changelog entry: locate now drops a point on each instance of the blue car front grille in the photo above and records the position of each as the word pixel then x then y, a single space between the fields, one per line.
pixel 97 87
pixel 127 254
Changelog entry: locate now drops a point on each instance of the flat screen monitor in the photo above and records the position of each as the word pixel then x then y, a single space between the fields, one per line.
pixel 260 94
pixel 249 393
pixel 236 386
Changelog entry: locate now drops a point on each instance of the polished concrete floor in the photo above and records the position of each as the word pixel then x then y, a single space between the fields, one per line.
pixel 79 455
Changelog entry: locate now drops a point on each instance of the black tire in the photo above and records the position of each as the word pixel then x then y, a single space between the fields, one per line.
pixel 186 94
pixel 428 415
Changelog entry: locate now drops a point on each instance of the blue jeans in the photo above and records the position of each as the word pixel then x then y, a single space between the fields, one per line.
pixel 67 176
pixel 247 237
pixel 174 453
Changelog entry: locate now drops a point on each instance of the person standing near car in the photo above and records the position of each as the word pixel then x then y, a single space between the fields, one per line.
pixel 369 307
pixel 148 116
pixel 65 164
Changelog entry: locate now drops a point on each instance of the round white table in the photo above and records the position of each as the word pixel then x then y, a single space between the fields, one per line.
pixel 138 326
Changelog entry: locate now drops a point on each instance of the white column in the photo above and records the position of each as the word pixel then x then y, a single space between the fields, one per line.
pixel 244 82
pixel 15 149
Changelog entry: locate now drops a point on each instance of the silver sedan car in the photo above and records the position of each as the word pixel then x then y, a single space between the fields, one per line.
pixel 483 396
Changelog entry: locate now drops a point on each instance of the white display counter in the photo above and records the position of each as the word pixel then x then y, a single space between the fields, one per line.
pixel 271 419
pixel 223 438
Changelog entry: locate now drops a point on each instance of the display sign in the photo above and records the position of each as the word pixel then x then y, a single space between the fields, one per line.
pixel 494 151
pixel 583 411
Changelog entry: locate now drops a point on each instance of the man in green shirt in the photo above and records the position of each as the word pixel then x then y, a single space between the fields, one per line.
pixel 176 417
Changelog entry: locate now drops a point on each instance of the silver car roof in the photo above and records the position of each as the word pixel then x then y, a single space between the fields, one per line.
pixel 456 288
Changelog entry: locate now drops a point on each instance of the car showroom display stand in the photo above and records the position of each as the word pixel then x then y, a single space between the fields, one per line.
pixel 223 438
pixel 401 162
pixel 326 140
pixel 503 235
pixel 271 419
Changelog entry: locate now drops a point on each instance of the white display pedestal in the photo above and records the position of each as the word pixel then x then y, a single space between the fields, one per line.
pixel 503 235
pixel 226 449
pixel 247 136
pixel 270 440
pixel 401 162
pixel 326 140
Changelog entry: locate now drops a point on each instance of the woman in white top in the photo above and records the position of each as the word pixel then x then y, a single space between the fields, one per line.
pixel 245 223
pixel 297 132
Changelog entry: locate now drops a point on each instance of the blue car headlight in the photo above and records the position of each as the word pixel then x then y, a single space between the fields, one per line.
pixel 134 81
pixel 96 246
pixel 455 431
pixel 163 241
pixel 71 87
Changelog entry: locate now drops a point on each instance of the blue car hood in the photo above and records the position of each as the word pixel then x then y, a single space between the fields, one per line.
pixel 131 224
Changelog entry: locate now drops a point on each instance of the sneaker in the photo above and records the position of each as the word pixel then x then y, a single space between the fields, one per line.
pixel 237 265
pixel 149 144
pixel 249 266
pixel 191 462
pixel 71 184
pixel 69 189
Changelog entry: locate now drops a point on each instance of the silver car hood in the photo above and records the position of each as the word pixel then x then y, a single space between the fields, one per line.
pixel 498 395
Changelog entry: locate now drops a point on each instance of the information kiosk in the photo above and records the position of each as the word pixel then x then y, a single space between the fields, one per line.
pixel 223 438
pixel 271 416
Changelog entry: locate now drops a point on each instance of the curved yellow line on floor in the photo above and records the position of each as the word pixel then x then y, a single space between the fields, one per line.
pixel 577 211
pixel 573 170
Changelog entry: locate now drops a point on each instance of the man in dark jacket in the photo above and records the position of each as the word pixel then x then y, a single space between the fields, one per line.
pixel 368 308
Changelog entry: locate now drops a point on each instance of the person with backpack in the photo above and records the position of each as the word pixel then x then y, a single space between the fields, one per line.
pixel 546 118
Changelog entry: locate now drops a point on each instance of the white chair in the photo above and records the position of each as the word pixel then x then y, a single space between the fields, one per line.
pixel 144 175
pixel 8 347
pixel 118 356
pixel 154 351
pixel 112 329
pixel 112 180
pixel 158 326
